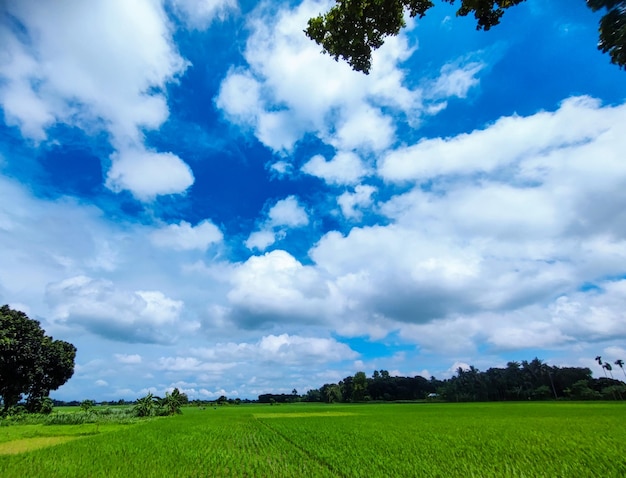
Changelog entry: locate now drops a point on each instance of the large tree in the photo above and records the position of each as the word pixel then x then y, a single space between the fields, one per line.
pixel 352 29
pixel 31 363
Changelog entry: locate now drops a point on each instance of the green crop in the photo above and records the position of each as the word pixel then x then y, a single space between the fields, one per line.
pixel 305 440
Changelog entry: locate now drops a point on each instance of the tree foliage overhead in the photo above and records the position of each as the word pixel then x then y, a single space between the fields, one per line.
pixel 352 29
pixel 31 363
pixel 612 29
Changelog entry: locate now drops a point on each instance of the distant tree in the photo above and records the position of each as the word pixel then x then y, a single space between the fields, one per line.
pixel 334 394
pixel 171 403
pixel 87 405
pixel 313 396
pixel 145 406
pixel 352 29
pixel 359 387
pixel 580 390
pixel 31 363
pixel 620 364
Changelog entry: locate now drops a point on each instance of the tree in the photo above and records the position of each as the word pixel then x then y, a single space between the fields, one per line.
pixel 87 405
pixel 620 364
pixel 172 402
pixel 31 363
pixel 352 29
pixel 145 406
pixel 612 29
pixel 359 387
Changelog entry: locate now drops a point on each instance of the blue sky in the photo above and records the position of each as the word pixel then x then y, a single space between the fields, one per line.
pixel 196 197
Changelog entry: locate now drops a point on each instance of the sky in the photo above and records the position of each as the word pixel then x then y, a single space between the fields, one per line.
pixel 195 196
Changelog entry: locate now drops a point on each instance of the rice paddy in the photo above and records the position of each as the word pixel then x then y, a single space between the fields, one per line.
pixel 547 439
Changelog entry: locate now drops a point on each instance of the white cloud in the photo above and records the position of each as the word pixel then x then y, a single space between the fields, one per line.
pixel 99 307
pixel 351 202
pixel 200 13
pixel 283 349
pixel 292 89
pixel 455 80
pixel 260 240
pixel 276 287
pixel 184 236
pixel 130 359
pixel 148 174
pixel 287 212
pixel 101 65
pixel 535 138
pixel 289 89
pixel 344 168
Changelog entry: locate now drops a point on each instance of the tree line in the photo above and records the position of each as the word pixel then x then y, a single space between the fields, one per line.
pixel 525 380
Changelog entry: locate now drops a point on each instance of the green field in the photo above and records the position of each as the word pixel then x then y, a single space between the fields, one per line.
pixel 375 440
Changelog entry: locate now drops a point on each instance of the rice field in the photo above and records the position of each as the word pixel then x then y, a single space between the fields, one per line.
pixel 546 439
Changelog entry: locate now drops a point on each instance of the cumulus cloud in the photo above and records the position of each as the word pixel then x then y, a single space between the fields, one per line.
pixel 284 348
pixel 274 288
pixel 288 89
pixel 535 138
pixel 261 240
pixel 128 358
pixel 183 236
pixel 344 168
pixel 148 174
pixel 102 309
pixel 283 215
pixel 287 212
pixel 200 13
pixel 64 63
pixel 352 203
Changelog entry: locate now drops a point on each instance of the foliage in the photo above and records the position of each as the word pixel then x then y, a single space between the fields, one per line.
pixel 151 406
pixel 352 29
pixel 612 29
pixel 320 440
pixel 31 363
pixel 524 380
pixel 87 405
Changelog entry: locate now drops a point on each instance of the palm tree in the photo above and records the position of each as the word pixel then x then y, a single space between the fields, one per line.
pixel 620 363
pixel 172 402
pixel 599 360
pixel 607 366
pixel 145 406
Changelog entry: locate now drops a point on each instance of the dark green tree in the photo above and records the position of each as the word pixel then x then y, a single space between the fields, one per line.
pixel 352 29
pixel 31 363
pixel 359 387
pixel 172 402
pixel 612 29
pixel 620 364
pixel 145 406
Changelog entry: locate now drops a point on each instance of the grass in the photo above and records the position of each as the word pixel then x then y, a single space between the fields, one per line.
pixel 303 440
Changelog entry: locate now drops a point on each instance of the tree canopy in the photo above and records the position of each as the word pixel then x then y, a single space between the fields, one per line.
pixel 352 29
pixel 31 363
